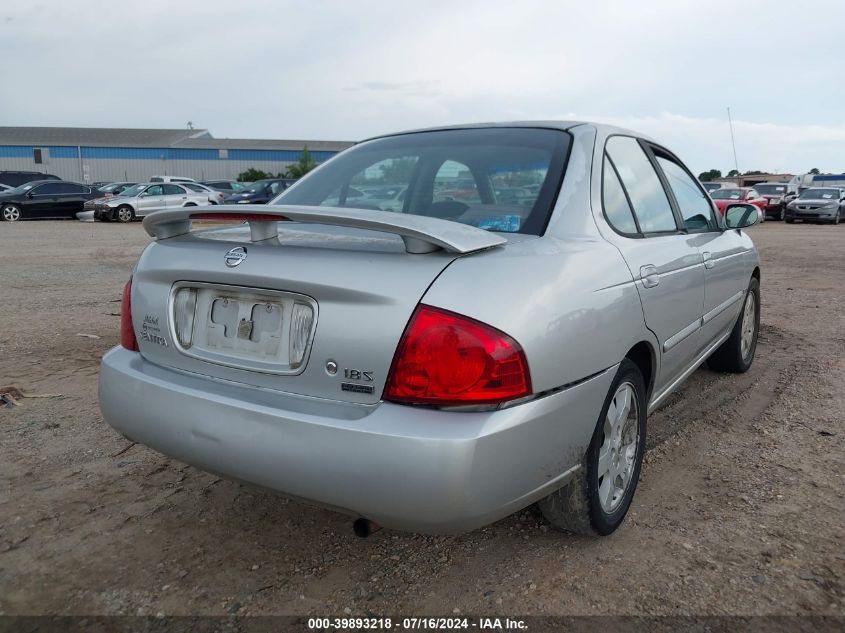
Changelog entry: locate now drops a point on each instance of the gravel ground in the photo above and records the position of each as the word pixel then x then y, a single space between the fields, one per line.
pixel 739 511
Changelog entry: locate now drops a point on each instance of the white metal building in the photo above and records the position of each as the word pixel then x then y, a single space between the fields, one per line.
pixel 112 154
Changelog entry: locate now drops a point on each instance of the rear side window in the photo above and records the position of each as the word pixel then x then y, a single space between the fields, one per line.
pixel 692 201
pixel 651 206
pixel 616 207
pixel 173 190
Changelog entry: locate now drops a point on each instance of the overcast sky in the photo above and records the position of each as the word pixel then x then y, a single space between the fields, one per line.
pixel 346 70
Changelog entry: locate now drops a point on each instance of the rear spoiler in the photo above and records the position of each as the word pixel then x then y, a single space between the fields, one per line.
pixel 421 234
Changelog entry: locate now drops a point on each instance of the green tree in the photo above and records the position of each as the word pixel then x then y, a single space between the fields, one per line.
pixel 815 171
pixel 252 174
pixel 732 173
pixel 305 164
pixel 753 172
pixel 709 175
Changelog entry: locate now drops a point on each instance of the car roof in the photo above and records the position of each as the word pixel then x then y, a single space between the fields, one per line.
pixel 603 129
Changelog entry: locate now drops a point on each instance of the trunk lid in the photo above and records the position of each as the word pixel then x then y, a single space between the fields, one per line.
pixel 361 284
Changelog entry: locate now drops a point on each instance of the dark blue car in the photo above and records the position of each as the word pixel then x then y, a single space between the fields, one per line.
pixel 260 192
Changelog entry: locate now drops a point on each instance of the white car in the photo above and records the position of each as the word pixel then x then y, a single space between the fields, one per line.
pixel 171 179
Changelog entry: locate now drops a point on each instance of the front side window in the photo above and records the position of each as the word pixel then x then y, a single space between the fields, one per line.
pixel 49 189
pixel 651 206
pixel 692 201
pixel 498 179
pixel 154 190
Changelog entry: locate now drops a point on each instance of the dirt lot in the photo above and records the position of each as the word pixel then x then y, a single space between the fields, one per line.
pixel 740 509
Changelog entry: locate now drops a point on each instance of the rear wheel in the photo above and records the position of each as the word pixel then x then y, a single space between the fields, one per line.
pixel 781 214
pixel 124 213
pixel 11 212
pixel 736 354
pixel 597 499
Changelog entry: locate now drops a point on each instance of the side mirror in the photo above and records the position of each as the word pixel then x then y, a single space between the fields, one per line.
pixel 741 216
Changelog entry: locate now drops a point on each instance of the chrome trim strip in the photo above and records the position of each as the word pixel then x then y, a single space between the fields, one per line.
pixel 709 316
pixel 656 400
pixel 680 336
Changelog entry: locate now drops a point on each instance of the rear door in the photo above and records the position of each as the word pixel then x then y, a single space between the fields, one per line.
pixel 664 260
pixel 151 199
pixel 73 197
pixel 722 252
pixel 174 195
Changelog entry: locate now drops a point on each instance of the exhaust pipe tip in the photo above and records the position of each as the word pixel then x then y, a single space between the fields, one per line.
pixel 364 527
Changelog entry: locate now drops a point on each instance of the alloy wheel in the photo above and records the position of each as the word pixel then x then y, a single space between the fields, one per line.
pixel 124 214
pixel 11 213
pixel 749 325
pixel 618 452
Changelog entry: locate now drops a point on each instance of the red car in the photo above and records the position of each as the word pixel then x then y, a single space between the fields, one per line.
pixel 748 195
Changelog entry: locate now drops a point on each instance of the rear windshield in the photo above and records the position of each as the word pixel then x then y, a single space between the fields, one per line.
pixel 499 179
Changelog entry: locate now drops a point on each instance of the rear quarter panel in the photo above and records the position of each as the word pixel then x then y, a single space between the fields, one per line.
pixel 571 304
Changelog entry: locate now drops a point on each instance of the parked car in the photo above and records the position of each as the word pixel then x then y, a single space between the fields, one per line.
pixel 774 193
pixel 171 179
pixel 259 192
pixel 417 370
pixel 227 187
pixel 18 178
pixel 817 204
pixel 726 197
pixel 110 189
pixel 390 198
pixel 44 199
pixel 145 198
pixel 214 197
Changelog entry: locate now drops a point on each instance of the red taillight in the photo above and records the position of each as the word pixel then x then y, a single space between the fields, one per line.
pixel 239 217
pixel 448 359
pixel 127 332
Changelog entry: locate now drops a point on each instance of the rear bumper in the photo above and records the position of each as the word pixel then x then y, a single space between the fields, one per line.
pixel 403 467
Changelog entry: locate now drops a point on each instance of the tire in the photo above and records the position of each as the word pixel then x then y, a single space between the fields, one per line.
pixel 124 213
pixel 781 214
pixel 11 213
pixel 736 354
pixel 836 219
pixel 583 506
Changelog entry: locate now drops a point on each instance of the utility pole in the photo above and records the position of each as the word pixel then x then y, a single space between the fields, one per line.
pixel 733 143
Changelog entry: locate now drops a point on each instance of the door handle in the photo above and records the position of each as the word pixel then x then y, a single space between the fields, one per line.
pixel 649 276
pixel 709 262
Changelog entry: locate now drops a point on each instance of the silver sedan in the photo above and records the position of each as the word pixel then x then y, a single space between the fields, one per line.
pixel 440 366
pixel 145 198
